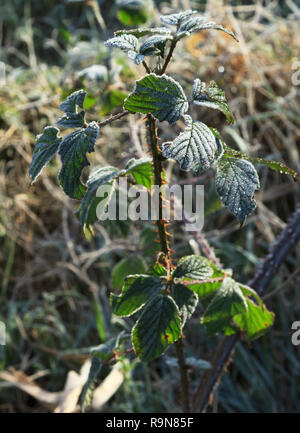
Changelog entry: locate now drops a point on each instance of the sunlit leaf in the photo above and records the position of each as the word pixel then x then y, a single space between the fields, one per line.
pixel 196 267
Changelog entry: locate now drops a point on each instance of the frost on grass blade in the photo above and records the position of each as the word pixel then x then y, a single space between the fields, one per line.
pixel 160 95
pixel 73 150
pixel 157 328
pixel 211 96
pixel 176 19
pixel 72 120
pixel 194 148
pixel 75 99
pixel 236 181
pixel 47 145
pixel 137 290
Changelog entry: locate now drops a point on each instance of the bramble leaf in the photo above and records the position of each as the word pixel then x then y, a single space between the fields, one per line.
pixel 186 301
pixel 73 150
pixel 141 170
pixel 87 213
pixel 47 145
pixel 227 303
pixel 141 32
pixel 160 95
pixel 75 99
pixel 127 43
pixel 256 321
pixel 137 290
pixel 197 24
pixel 127 266
pixel 274 165
pixel 176 19
pixel 236 181
pixel 208 288
pixel 211 96
pixel 72 120
pixel 194 148
pixel 196 267
pixel 157 328
pixel 155 45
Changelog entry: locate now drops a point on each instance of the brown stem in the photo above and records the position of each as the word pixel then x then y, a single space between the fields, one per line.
pixel 113 118
pixel 169 56
pixel 164 245
pixel 262 278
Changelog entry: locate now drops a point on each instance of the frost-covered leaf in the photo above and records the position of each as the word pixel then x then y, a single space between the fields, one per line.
pixel 193 266
pixel 198 24
pixel 141 170
pixel 227 303
pixel 194 149
pixel 236 181
pixel 154 45
pixel 211 96
pixel 47 145
pixel 256 321
pixel 128 266
pixel 124 42
pixel 186 301
pixel 137 290
pixel 176 19
pixel 274 165
pixel 160 95
pixel 136 57
pixel 87 213
pixel 73 150
pixel 141 32
pixel 72 120
pixel 157 328
pixel 75 99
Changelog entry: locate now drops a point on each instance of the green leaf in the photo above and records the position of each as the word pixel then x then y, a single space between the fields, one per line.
pixel 160 95
pixel 274 165
pixel 236 181
pixel 227 303
pixel 141 32
pixel 87 213
pixel 158 270
pixel 72 120
pixel 73 150
pixel 256 321
pixel 75 99
pixel 105 351
pixel 196 267
pixel 141 170
pixel 132 17
pixel 127 266
pixel 157 328
pixel 47 145
pixel 137 290
pixel 194 149
pixel 186 301
pixel 206 288
pixel 211 96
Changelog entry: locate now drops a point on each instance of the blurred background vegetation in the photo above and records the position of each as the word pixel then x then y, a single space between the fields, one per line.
pixel 54 282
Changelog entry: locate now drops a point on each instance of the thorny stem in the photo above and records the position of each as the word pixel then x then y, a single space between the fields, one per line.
pixel 262 278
